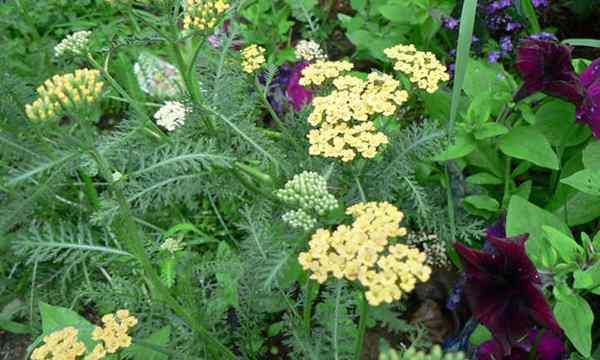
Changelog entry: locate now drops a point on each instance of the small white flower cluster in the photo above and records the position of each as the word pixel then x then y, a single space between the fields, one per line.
pixel 172 245
pixel 76 44
pixel 308 192
pixel 171 115
pixel 437 254
pixel 157 77
pixel 299 219
pixel 310 51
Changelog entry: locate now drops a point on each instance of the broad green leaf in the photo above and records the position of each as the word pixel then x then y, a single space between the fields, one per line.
pixel 56 318
pixel 527 143
pixel 568 249
pixel 484 179
pixel 579 209
pixel 480 335
pixel 526 218
pixel 483 202
pixel 149 348
pixel 463 146
pixel 591 155
pixel 587 181
pixel 582 42
pixel 575 317
pixel 589 278
pixel 556 121
pixel 405 12
pixel 490 130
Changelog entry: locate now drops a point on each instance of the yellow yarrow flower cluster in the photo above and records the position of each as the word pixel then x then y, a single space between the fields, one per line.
pixel 113 334
pixel 422 67
pixel 253 57
pixel 317 73
pixel 60 345
pixel 64 93
pixel 203 14
pixel 342 118
pixel 362 251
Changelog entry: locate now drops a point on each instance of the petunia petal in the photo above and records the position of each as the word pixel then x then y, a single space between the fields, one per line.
pixel 539 308
pixel 549 347
pixel 591 74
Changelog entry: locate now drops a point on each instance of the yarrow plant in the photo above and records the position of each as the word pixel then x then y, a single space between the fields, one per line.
pixel 363 251
pixel 76 43
pixel 203 14
pixel 307 191
pixel 171 115
pixel 422 67
pixel 310 51
pixel 113 335
pixel 66 94
pixel 60 345
pixel 253 57
pixel 343 120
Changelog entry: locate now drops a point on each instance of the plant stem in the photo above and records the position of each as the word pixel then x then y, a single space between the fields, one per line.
pixel 90 190
pixel 338 293
pixel 507 181
pixel 308 301
pixel 363 307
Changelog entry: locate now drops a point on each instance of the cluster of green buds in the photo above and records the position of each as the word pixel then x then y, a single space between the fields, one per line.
pixel 203 14
pixel 434 247
pixel 412 354
pixel 75 44
pixel 172 245
pixel 307 192
pixel 71 93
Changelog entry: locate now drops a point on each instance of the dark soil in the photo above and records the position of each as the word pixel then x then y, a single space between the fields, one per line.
pixel 13 347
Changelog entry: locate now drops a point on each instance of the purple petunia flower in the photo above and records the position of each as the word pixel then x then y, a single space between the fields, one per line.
pixel 549 347
pixel 502 288
pixel 588 111
pixel 546 67
pixel 494 56
pixel 297 94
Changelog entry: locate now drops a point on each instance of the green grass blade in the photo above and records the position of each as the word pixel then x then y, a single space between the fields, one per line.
pixel 529 12
pixel 582 42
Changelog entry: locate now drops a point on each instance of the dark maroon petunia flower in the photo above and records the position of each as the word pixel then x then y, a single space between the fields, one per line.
pixel 546 67
pixel 549 347
pixel 503 288
pixel 297 94
pixel 588 111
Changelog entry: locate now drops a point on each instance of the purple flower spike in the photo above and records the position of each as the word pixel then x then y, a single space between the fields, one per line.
pixel 549 347
pixel 493 57
pixel 503 288
pixel 298 94
pixel 506 44
pixel 546 36
pixel 540 3
pixel 450 22
pixel 588 112
pixel 546 67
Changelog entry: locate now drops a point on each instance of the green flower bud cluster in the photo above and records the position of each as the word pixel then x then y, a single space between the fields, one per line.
pixel 172 245
pixel 412 354
pixel 308 192
pixel 434 247
pixel 299 219
pixel 76 44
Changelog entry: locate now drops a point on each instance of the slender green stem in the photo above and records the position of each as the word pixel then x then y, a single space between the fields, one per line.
pixel 308 302
pixel 90 190
pixel 338 294
pixel 507 183
pixel 363 307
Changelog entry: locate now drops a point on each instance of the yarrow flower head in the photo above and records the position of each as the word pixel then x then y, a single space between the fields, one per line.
pixel 156 77
pixel 253 57
pixel 172 245
pixel 171 115
pixel 362 251
pixel 548 347
pixel 422 67
pixel 588 111
pixel 307 191
pixel 546 67
pixel 343 119
pixel 203 14
pixel 60 345
pixel 310 51
pixel 113 334
pixel 76 44
pixel 66 94
pixel 503 288
pixel 319 72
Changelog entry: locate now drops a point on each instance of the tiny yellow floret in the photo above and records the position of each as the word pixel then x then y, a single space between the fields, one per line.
pixel 60 345
pixel 253 57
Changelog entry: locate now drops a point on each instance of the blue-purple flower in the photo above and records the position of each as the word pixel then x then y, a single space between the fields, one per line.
pixel 546 67
pixel 588 111
pixel 285 90
pixel 503 288
pixel 547 345
pixel 450 22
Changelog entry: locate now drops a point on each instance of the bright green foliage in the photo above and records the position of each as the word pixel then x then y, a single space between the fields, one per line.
pixel 412 354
